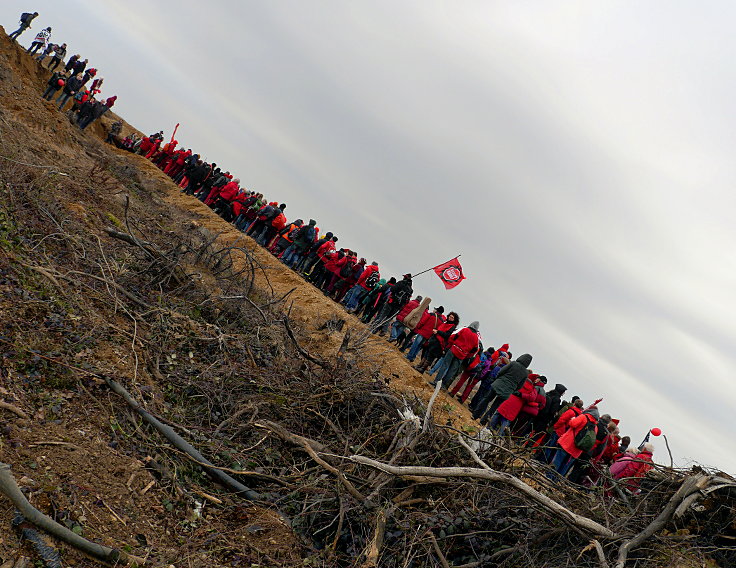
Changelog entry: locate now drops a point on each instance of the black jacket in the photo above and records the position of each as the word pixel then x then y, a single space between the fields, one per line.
pixel 72 85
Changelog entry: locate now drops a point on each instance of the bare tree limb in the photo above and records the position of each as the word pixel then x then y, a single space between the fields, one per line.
pixel 588 525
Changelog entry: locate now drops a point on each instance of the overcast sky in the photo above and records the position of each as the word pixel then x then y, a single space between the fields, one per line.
pixel 577 154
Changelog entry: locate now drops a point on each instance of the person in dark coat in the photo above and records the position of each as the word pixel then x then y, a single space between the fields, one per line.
pixel 554 402
pixel 25 22
pixel 509 380
pixel 400 295
pixel 72 62
pixel 80 66
pixel 71 87
pixel 56 82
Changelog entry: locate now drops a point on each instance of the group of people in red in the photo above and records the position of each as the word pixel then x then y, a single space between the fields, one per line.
pixel 577 442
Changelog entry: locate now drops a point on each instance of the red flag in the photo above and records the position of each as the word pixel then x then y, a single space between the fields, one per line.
pixel 174 133
pixel 450 272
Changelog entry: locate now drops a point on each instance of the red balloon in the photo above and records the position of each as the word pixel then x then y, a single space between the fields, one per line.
pixel 655 431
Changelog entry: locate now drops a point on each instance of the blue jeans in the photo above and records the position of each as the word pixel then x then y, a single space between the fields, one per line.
pixel 439 366
pixel 450 365
pixel 415 347
pixel 291 255
pixel 63 98
pixel 498 420
pixel 562 462
pixel 354 296
pixel 395 329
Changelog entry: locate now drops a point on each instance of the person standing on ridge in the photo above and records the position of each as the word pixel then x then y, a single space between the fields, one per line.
pixel 40 41
pixel 25 22
pixel 59 55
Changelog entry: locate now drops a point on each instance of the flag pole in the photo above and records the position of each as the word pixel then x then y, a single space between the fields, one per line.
pixel 431 268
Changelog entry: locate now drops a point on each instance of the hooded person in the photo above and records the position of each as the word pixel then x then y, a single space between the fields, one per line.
pixel 462 346
pixel 509 379
pixel 510 409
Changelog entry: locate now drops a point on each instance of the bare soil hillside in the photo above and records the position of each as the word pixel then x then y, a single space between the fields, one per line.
pixel 262 423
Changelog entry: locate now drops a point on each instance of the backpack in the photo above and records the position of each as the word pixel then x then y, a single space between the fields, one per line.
pixel 372 279
pixel 266 213
pixel 25 17
pixel 585 439
pixel 347 269
pixel 293 233
pixel 400 296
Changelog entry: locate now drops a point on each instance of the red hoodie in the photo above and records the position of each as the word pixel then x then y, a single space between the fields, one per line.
pixel 428 323
pixel 366 273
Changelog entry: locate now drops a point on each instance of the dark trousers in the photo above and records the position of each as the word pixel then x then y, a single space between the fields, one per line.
pixel 20 30
pixel 35 46
pixel 50 92
pixel 55 62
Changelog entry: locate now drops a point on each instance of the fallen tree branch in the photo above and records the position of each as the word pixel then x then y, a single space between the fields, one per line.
pixel 14 409
pixel 438 551
pixel 428 413
pixel 181 444
pixel 10 489
pixel 692 484
pixel 588 525
pixel 302 351
pixel 374 548
pixel 312 447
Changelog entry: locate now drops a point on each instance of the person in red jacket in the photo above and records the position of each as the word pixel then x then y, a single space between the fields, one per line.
pixel 510 408
pixel 561 424
pixel 462 346
pixel 398 330
pixel 426 328
pixel 635 468
pixel 568 451
pixel 367 280
pixel 273 227
pixel 348 283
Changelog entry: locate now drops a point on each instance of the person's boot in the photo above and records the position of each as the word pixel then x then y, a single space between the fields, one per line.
pixel 422 367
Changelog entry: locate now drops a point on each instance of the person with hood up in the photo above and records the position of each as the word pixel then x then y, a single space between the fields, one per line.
pixel 42 38
pixel 509 409
pixel 510 379
pixel 367 280
pixel 25 22
pixel 462 346
pixel 569 447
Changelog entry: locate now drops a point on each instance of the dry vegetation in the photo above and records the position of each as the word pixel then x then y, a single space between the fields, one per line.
pixel 261 426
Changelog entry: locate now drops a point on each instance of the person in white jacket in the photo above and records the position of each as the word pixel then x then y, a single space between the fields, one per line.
pixel 42 38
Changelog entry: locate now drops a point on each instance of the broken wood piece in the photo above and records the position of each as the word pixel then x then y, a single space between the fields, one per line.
pixel 14 409
pixel 10 489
